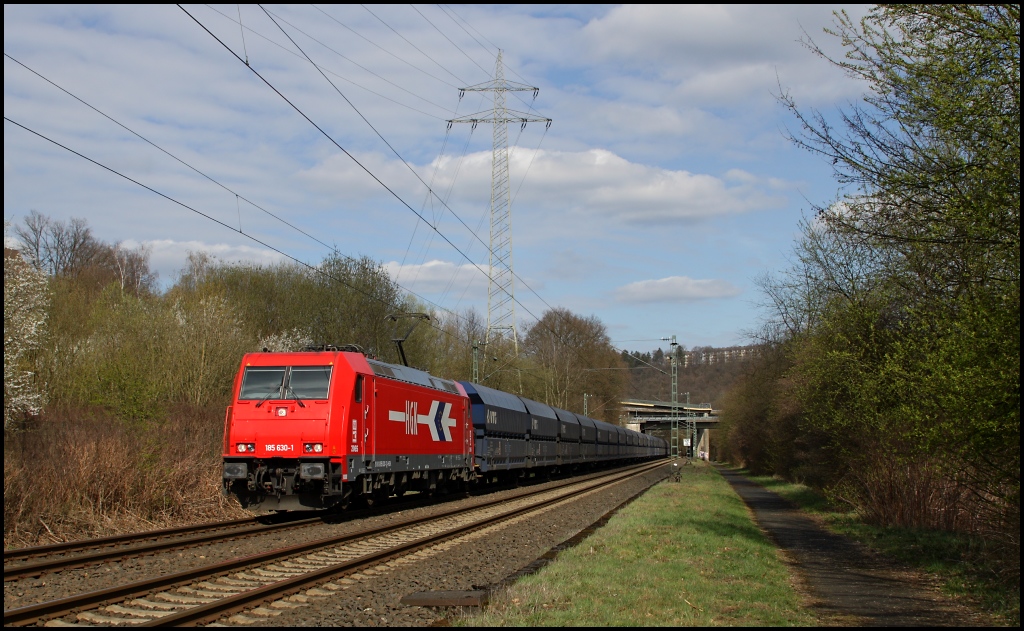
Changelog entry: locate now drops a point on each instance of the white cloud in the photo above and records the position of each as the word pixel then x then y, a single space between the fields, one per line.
pixel 675 289
pixel 664 133
pixel 719 53
pixel 167 257
pixel 434 277
pixel 595 181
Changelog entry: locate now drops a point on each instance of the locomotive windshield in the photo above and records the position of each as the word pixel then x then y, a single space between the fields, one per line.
pixel 309 382
pixel 285 382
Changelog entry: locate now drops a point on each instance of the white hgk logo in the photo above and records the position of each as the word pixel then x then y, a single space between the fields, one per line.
pixel 438 420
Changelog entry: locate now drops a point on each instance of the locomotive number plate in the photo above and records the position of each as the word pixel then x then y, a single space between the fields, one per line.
pixel 280 447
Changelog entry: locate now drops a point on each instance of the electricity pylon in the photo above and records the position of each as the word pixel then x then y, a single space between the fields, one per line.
pixel 501 306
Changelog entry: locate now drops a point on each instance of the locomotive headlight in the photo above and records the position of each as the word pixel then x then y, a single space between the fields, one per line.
pixel 241 448
pixel 317 447
pixel 312 447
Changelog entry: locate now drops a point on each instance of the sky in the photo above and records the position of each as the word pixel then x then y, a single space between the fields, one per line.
pixel 663 188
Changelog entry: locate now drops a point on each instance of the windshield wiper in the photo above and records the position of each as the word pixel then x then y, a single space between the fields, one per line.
pixel 264 399
pixel 297 399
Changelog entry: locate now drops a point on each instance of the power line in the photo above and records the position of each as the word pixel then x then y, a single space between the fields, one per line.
pixel 365 120
pixel 487 72
pixel 355 62
pixel 360 35
pixel 210 178
pixel 429 187
pixel 239 230
pixel 241 30
pixel 528 105
pixel 370 173
pixel 411 44
pixel 212 218
pixel 383 139
pixel 358 85
pixel 446 8
pixel 529 166
pixel 342 149
pixel 397 154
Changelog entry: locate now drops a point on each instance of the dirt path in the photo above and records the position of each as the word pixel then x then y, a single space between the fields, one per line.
pixel 847 584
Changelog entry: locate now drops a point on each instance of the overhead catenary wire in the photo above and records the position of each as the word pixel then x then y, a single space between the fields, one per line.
pixel 513 70
pixel 354 62
pixel 389 145
pixel 387 188
pixel 391 191
pixel 237 195
pixel 241 30
pixel 395 151
pixel 365 120
pixel 406 40
pixel 430 190
pixel 240 231
pixel 251 237
pixel 343 78
pixel 381 48
pixel 214 181
pixel 515 146
pixel 486 71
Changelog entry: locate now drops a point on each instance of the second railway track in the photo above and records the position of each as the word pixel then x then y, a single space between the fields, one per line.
pixel 34 561
pixel 218 590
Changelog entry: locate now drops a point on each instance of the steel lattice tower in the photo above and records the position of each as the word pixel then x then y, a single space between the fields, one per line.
pixel 501 306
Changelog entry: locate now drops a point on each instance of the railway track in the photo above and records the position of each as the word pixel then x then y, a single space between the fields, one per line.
pixel 21 554
pixel 159 544
pixel 215 591
pixel 34 561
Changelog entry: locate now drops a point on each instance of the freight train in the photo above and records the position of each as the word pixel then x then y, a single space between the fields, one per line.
pixel 317 429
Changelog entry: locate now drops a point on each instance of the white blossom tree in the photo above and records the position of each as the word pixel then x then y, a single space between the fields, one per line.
pixel 25 304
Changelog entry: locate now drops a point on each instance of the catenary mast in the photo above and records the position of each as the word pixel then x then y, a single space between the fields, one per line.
pixel 501 306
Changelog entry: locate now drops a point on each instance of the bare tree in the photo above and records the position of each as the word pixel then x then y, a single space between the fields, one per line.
pixel 133 268
pixel 574 356
pixel 60 248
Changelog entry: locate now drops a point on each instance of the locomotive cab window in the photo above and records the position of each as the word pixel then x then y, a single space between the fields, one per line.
pixel 261 383
pixel 309 382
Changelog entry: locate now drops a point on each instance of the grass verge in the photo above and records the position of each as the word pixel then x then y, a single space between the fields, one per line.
pixel 957 560
pixel 682 554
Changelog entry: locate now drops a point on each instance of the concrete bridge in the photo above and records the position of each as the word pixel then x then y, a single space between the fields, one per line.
pixel 693 420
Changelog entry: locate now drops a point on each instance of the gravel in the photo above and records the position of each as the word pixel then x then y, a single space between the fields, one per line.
pixel 480 559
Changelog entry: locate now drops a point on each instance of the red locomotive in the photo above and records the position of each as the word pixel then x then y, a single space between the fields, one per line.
pixel 307 430
pixel 315 429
